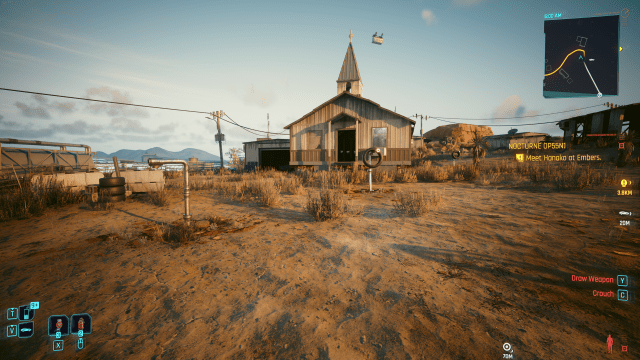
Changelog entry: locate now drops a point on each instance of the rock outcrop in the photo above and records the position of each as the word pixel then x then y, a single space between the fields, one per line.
pixel 462 133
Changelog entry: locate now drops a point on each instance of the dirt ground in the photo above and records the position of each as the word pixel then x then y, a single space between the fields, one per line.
pixel 491 265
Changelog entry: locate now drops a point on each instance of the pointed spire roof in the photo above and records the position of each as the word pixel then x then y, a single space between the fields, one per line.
pixel 349 70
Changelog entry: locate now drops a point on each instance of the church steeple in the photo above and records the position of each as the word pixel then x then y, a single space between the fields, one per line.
pixel 349 78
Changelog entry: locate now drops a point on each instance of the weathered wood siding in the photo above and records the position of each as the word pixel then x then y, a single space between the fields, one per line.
pixel 308 155
pixel 392 155
pixel 369 116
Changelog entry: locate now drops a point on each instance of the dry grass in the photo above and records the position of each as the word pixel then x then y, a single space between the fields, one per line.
pixel 329 205
pixel 405 176
pixel 465 171
pixel 382 176
pixel 30 199
pixel 430 173
pixel 332 179
pixel 159 198
pixel 575 177
pixel 266 192
pixel 417 204
pixel 291 185
pixel 562 176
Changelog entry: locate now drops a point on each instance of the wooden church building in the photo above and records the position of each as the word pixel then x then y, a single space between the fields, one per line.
pixel 339 131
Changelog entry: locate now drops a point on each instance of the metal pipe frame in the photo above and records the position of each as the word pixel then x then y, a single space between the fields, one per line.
pixel 157 163
pixel 63 146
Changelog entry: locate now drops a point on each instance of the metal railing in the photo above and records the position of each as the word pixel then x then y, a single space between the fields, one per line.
pixel 28 160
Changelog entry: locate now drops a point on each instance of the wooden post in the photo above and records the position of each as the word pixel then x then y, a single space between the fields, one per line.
pixel 355 165
pixel 115 164
pixel 219 114
pixel 328 144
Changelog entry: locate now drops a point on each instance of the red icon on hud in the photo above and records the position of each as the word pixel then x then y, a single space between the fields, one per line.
pixel 59 324
pixel 81 324
pixel 610 344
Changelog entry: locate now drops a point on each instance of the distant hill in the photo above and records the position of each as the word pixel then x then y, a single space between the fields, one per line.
pixel 161 153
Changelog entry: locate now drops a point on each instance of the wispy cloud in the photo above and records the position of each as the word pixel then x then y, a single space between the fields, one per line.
pixel 125 125
pixel 99 50
pixel 429 17
pixel 512 107
pixel 52 45
pixel 116 51
pixel 41 109
pixel 63 107
pixel 467 2
pixel 33 111
pixel 108 94
pixel 17 57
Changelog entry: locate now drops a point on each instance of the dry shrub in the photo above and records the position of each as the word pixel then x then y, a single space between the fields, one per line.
pixel 382 176
pixel 332 179
pixel 32 198
pixel 307 176
pixel 200 184
pixel 266 192
pixel 159 198
pixel 405 176
pixel 218 220
pixel 291 185
pixel 575 177
pixel 175 174
pixel 417 204
pixel 430 173
pixel 179 234
pixel 356 176
pixel 465 171
pixel 331 204
pixel 101 205
pixel 542 173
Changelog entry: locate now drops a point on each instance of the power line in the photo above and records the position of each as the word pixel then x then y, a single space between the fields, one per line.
pixel 247 128
pixel 120 103
pixel 104 101
pixel 453 122
pixel 518 117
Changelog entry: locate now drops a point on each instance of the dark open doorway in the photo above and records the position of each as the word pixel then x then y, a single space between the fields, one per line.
pixel 275 159
pixel 346 145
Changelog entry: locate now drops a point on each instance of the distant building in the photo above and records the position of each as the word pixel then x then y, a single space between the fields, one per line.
pixel 341 129
pixel 619 120
pixel 266 153
pixel 503 141
pixel 417 142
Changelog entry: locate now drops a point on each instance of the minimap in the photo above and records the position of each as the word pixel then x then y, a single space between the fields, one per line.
pixel 581 57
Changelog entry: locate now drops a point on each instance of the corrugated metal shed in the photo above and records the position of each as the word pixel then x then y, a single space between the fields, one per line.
pixel 252 151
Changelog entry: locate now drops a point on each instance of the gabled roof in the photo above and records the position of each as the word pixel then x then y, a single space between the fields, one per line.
pixel 349 71
pixel 346 93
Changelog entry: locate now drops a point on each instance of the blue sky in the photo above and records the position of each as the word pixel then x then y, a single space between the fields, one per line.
pixel 456 58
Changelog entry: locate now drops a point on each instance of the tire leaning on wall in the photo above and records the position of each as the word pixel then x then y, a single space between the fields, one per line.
pixel 112 181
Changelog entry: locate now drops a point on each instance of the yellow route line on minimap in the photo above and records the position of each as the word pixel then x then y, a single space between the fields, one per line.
pixel 565 59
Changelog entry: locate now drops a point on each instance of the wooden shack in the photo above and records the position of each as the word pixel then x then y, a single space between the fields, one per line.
pixel 341 129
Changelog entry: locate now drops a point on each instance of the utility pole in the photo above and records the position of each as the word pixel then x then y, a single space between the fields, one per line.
pixel 218 115
pixel 421 117
pixel 267 125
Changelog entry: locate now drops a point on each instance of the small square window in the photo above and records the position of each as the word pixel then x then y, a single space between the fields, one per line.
pixel 379 137
pixel 314 139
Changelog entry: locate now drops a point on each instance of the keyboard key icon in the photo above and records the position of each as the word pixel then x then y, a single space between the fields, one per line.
pixel 58 345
